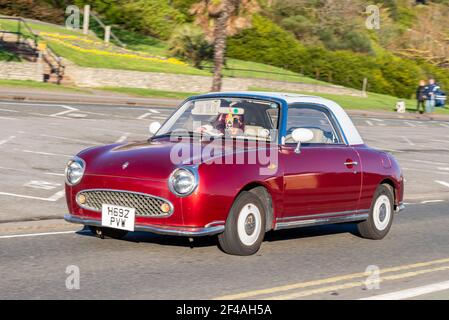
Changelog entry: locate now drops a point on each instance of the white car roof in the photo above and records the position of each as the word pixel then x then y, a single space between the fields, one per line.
pixel 347 126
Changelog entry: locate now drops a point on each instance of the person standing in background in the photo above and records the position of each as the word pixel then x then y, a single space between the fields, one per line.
pixel 421 97
pixel 431 90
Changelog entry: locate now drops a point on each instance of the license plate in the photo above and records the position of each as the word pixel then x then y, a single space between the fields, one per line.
pixel 117 217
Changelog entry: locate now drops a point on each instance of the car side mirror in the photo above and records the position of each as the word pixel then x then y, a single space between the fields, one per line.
pixel 154 127
pixel 301 135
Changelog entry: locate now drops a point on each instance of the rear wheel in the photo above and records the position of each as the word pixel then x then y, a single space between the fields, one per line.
pixel 245 226
pixel 380 219
pixel 108 232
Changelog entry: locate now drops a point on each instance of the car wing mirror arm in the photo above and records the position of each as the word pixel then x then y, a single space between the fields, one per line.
pixel 298 148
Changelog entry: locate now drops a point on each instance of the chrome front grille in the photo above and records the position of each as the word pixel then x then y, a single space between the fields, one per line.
pixel 146 205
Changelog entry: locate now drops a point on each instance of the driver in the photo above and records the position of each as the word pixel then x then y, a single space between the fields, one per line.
pixel 230 123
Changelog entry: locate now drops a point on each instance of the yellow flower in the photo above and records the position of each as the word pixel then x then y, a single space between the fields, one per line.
pixel 130 55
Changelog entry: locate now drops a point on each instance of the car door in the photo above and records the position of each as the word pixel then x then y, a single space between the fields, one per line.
pixel 325 177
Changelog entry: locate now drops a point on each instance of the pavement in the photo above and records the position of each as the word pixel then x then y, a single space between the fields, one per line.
pixel 38 249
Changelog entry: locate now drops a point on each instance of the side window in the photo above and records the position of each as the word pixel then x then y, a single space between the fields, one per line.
pixel 314 119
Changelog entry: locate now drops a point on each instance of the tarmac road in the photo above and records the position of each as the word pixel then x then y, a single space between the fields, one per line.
pixel 37 139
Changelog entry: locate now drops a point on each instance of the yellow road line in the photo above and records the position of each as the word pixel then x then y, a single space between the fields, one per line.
pixel 318 282
pixel 355 284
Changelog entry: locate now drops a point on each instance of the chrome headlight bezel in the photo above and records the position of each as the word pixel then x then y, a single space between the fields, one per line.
pixel 81 164
pixel 192 172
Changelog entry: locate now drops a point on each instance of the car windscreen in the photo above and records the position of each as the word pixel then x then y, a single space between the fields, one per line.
pixel 236 118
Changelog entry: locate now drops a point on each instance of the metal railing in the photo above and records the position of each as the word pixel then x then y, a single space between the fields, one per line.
pixel 117 40
pixel 50 57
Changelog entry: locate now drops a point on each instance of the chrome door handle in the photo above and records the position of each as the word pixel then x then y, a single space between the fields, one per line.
pixel 353 163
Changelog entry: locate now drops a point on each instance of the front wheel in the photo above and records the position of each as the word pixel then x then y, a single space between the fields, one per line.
pixel 381 214
pixel 245 226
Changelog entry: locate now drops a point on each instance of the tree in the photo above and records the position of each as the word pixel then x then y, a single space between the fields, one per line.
pixel 220 19
pixel 189 42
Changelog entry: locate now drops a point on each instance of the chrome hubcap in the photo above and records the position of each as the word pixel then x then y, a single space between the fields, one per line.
pixel 250 224
pixel 382 212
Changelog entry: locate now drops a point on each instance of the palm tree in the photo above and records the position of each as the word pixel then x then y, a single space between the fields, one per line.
pixel 220 19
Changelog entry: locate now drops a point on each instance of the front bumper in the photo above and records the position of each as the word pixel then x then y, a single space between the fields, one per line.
pixel 210 229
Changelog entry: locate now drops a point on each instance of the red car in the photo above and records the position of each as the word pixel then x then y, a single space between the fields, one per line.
pixel 238 165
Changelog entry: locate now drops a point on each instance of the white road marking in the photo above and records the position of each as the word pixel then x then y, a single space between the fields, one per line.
pixel 7 140
pixel 30 104
pixel 58 195
pixel 64 138
pixel 36 234
pixel 122 138
pixel 77 115
pixel 443 169
pixel 411 293
pixel 8 118
pixel 369 123
pixel 443 183
pixel 444 125
pixel 154 111
pixel 375 119
pixel 389 150
pixel 431 201
pixel 144 115
pixel 431 162
pixel 47 153
pixel 408 141
pixel 47 115
pixel 40 184
pixel 69 109
pixel 55 174
pixel 31 171
pixel 410 124
pixel 436 140
pixel 424 170
pixel 7 110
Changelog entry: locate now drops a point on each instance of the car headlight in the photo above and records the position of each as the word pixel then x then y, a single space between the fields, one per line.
pixel 183 181
pixel 74 171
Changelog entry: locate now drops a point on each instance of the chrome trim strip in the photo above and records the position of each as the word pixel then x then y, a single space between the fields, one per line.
pixel 166 230
pixel 315 222
pixel 323 215
pixel 172 208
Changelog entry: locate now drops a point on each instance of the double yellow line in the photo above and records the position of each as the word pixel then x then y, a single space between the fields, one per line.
pixel 285 291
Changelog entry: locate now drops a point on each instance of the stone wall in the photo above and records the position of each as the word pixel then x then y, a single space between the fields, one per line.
pixel 95 77
pixel 21 71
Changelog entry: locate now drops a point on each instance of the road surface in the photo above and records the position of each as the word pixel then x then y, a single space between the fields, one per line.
pixel 326 262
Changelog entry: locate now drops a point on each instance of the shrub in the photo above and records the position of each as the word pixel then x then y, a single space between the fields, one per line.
pixel 8 56
pixel 189 43
pixel 153 17
pixel 34 9
pixel 266 42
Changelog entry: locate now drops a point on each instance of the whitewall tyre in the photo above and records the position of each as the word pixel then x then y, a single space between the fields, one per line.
pixel 245 226
pixel 380 218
